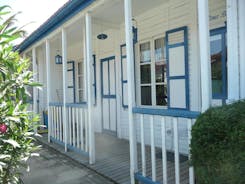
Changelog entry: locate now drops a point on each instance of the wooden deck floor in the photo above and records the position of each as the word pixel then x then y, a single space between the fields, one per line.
pixel 112 160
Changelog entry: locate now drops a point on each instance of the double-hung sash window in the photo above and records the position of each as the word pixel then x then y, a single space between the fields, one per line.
pixel 163 71
pixel 153 83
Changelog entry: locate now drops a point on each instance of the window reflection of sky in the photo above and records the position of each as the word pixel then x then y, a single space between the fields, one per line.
pixel 216 44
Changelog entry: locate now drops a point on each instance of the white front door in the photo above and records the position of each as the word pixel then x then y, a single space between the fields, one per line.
pixel 108 86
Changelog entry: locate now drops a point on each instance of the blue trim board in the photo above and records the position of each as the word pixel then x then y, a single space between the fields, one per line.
pixel 77 105
pixel 146 180
pixel 56 104
pixel 186 76
pixel 66 12
pixel 180 113
pixel 69 147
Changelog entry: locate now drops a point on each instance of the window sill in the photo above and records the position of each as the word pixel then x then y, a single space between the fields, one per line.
pixel 166 112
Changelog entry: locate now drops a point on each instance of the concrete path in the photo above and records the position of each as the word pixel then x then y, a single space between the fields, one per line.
pixel 54 168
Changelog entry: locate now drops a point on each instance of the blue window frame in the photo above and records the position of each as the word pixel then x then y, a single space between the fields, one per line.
pixel 218 54
pixel 124 81
pixel 177 68
pixel 73 86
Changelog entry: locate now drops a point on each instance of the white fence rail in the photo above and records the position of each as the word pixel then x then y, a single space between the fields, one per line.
pixel 159 157
pixel 74 132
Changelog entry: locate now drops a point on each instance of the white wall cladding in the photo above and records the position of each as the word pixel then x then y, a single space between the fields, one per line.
pixel 42 78
pixel 56 92
pixel 217 13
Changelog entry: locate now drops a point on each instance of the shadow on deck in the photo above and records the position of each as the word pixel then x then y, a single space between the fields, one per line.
pixel 112 160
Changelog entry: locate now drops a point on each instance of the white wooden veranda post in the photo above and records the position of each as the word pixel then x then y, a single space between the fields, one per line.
pixel 131 94
pixel 204 43
pixel 241 14
pixel 89 65
pixel 64 66
pixel 233 51
pixel 34 69
pixel 47 44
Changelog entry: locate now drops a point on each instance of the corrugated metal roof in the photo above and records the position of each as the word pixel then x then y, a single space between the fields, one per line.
pixel 67 11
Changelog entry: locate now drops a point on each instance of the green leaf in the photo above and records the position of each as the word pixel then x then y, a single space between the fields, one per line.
pixel 12 142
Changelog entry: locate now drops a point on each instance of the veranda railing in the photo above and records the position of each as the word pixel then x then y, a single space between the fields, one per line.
pixel 74 132
pixel 157 160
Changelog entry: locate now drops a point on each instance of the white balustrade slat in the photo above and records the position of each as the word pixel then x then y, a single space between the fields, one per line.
pixel 61 127
pixel 176 151
pixel 53 128
pixel 73 127
pixel 81 128
pixel 191 170
pixel 86 132
pixel 78 129
pixel 58 123
pixel 142 144
pixel 55 122
pixel 70 130
pixel 51 121
pixel 164 152
pixel 153 152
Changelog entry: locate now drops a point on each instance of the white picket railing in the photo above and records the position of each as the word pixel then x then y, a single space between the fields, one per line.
pixel 74 132
pixel 163 170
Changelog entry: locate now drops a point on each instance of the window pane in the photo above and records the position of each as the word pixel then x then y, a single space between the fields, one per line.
pixel 161 95
pixel 216 63
pixel 146 95
pixel 145 74
pixel 159 49
pixel 145 52
pixel 160 69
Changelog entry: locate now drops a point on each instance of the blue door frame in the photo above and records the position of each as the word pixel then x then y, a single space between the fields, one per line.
pixel 222 31
pixel 106 61
pixel 109 95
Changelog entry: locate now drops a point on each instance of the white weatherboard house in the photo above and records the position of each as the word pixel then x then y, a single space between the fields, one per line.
pixel 138 70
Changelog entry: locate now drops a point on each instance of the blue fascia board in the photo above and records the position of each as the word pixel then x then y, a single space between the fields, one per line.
pixel 179 113
pixel 69 10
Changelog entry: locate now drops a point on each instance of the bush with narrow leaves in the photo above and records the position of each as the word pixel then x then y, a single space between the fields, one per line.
pixel 16 123
pixel 218 145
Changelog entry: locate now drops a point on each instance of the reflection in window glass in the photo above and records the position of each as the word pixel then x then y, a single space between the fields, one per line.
pixel 145 74
pixel 161 95
pixel 160 69
pixel 159 49
pixel 145 52
pixel 146 95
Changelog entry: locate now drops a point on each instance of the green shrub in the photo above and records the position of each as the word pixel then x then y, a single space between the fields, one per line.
pixel 218 145
pixel 16 123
